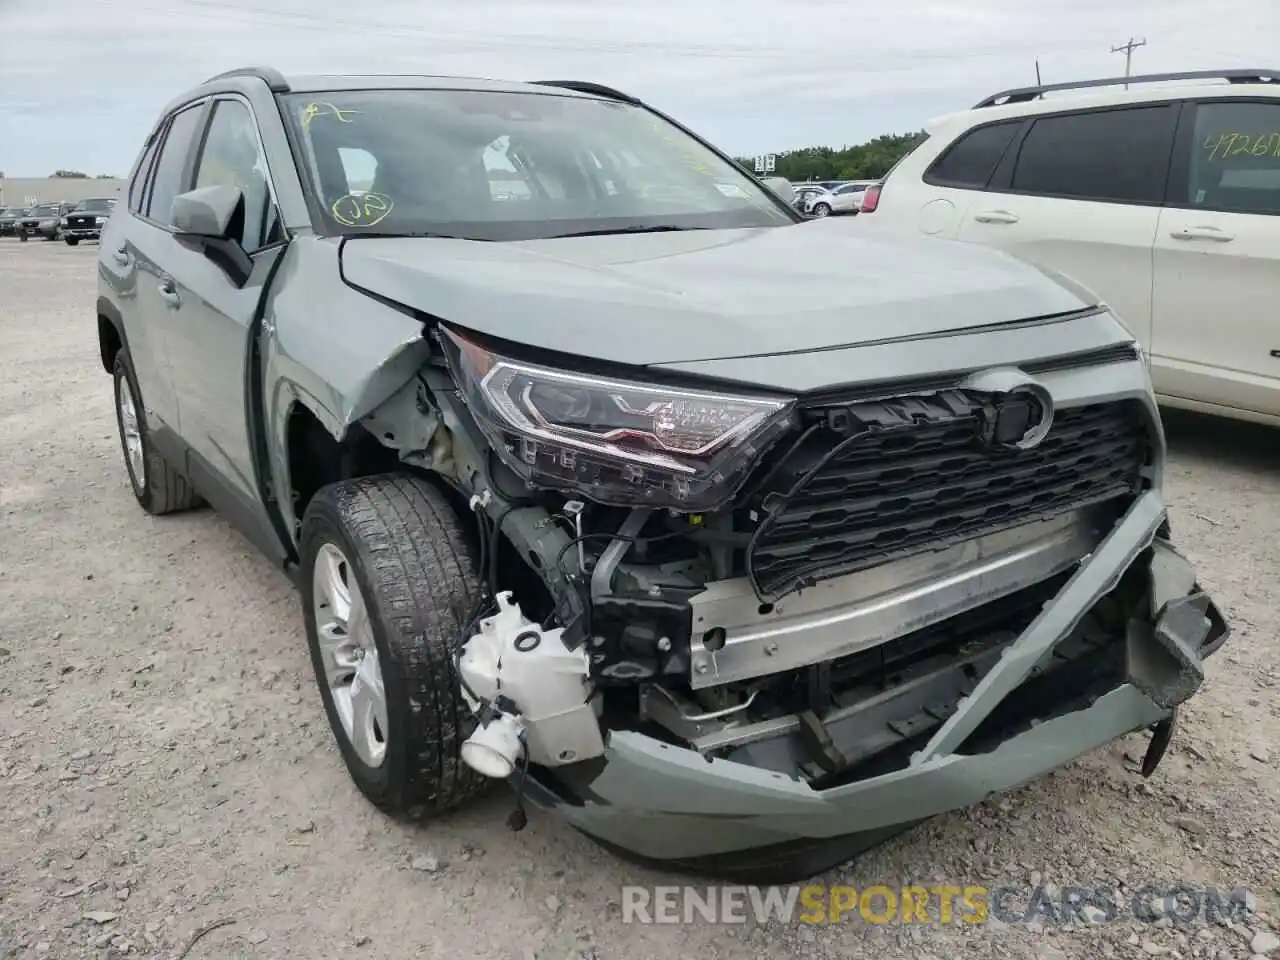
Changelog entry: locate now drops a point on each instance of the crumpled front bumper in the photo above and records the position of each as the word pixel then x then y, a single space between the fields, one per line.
pixel 662 803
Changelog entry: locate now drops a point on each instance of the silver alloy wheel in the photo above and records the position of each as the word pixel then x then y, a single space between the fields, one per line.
pixel 131 431
pixel 821 210
pixel 350 656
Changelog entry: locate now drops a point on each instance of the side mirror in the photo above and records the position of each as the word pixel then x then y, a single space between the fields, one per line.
pixel 212 218
pixel 782 187
pixel 207 212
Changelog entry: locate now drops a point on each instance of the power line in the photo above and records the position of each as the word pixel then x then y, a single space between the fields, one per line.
pixel 1128 49
pixel 454 40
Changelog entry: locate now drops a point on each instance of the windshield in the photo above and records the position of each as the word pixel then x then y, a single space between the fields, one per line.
pixel 488 165
pixel 44 209
pixel 95 206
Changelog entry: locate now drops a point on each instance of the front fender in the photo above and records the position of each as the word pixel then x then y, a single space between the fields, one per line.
pixel 329 348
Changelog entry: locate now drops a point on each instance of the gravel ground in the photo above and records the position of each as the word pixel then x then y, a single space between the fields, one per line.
pixel 164 760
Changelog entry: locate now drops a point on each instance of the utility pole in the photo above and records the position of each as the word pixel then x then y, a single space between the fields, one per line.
pixel 1128 49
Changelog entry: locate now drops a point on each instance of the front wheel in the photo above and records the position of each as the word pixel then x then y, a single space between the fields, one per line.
pixel 22 235
pixel 388 579
pixel 72 241
pixel 821 210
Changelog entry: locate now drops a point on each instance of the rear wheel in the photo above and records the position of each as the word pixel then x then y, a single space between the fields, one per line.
pixel 388 579
pixel 22 235
pixel 72 241
pixel 157 485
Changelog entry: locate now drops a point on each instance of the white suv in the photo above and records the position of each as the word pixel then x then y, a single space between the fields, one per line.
pixel 1163 200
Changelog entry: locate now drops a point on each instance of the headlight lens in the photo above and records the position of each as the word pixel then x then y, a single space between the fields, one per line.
pixel 617 442
pixel 99 221
pixel 62 222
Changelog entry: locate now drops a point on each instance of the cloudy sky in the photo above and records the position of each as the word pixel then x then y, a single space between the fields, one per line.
pixel 81 81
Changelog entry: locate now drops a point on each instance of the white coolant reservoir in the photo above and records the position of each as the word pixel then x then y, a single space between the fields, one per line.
pixel 514 658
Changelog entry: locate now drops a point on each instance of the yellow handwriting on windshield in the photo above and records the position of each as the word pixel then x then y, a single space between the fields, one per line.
pixel 361 210
pixel 314 110
pixel 1226 145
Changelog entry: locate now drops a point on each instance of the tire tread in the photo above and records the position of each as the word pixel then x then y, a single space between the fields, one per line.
pixel 170 491
pixel 166 488
pixel 423 575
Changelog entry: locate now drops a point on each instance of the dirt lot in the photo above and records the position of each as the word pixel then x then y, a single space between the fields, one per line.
pixel 164 758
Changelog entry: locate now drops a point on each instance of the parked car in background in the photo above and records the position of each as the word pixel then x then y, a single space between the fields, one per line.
pixel 9 218
pixel 43 220
pixel 805 194
pixel 84 221
pixel 1163 200
pixel 844 199
pixel 735 579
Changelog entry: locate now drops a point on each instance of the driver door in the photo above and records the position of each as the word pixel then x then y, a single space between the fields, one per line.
pixel 213 321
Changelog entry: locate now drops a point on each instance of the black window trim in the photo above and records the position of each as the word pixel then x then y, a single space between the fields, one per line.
pixel 1180 171
pixel 200 104
pixel 202 140
pixel 144 201
pixel 1002 180
pixel 936 181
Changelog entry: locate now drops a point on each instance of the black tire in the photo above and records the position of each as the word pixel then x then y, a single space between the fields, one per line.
pixel 821 209
pixel 72 241
pixel 416 570
pixel 162 488
pixel 22 235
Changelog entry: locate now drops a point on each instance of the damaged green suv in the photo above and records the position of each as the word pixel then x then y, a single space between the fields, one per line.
pixel 597 475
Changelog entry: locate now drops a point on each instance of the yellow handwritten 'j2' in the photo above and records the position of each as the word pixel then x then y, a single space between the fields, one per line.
pixel 361 211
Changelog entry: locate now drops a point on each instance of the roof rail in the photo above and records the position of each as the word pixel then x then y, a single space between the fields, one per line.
pixel 274 79
pixel 1023 94
pixel 586 86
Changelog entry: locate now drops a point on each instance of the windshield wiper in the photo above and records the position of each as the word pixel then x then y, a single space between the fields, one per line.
pixel 657 228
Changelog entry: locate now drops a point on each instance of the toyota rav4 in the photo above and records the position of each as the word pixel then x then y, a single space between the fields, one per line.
pixel 513 379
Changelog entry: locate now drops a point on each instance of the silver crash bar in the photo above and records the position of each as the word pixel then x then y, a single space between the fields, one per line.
pixel 735 637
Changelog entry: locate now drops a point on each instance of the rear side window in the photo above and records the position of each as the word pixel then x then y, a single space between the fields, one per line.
pixel 971 160
pixel 1235 158
pixel 170 168
pixel 137 186
pixel 1116 155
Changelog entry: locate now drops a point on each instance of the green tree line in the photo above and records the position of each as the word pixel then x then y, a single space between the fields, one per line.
pixel 866 161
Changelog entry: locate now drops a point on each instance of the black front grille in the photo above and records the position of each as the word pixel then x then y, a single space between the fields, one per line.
pixel 80 223
pixel 919 478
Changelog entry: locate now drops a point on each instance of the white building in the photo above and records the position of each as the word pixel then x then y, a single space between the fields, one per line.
pixel 23 191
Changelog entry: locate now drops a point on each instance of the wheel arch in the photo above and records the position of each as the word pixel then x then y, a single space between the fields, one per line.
pixel 111 335
pixel 314 455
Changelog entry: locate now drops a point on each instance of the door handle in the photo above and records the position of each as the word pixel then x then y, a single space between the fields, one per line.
pixel 1201 233
pixel 995 216
pixel 169 293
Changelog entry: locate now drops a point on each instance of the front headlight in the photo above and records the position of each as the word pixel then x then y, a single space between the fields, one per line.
pixel 617 442
pixel 62 221
pixel 99 221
